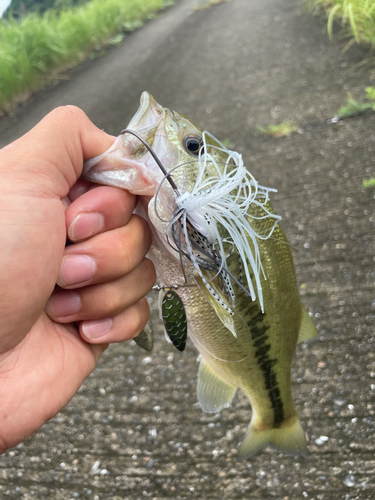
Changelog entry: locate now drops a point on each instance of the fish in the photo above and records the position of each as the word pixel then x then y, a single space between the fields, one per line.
pixel 225 267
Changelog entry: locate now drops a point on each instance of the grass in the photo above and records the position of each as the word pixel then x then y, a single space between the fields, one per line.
pixel 353 107
pixel 36 46
pixel 283 129
pixel 357 18
pixel 368 182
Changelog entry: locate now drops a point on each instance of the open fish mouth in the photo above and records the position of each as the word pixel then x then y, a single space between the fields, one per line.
pixel 127 163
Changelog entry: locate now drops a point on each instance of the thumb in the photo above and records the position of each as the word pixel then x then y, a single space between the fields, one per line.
pixel 53 152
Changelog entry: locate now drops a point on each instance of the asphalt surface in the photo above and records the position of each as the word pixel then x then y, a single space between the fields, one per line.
pixel 135 430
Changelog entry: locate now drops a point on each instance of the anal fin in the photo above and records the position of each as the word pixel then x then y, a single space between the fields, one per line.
pixel 213 392
pixel 307 328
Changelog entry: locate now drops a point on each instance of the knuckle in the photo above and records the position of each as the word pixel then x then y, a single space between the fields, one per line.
pixel 144 230
pixel 149 270
pixel 135 243
pixel 126 257
pixel 69 111
pixel 139 318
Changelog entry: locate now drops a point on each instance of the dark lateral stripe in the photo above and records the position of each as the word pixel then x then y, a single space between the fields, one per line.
pixel 260 342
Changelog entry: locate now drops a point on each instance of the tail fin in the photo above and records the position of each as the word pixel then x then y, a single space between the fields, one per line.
pixel 290 438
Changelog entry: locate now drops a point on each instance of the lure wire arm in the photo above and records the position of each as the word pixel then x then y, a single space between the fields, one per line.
pixel 154 155
pixel 157 288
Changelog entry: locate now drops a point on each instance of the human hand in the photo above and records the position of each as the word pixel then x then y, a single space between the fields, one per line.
pixel 52 336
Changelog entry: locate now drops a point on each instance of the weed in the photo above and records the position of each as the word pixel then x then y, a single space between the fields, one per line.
pixel 285 128
pixel 370 93
pixel 368 182
pixel 357 18
pixel 353 107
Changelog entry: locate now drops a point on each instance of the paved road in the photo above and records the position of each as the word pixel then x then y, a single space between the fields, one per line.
pixel 134 430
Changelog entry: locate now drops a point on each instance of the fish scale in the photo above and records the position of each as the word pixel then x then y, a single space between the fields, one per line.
pixel 247 346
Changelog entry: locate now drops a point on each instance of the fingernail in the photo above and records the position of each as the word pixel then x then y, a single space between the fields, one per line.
pixel 85 225
pixel 76 269
pixel 97 328
pixel 64 304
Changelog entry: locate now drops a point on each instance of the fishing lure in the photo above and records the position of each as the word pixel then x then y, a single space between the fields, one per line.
pixel 223 199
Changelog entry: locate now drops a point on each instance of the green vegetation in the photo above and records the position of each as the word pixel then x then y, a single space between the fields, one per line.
pixel 368 182
pixel 285 128
pixel 34 47
pixel 353 107
pixel 357 18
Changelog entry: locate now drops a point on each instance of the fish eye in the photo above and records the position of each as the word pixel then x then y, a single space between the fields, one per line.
pixel 192 143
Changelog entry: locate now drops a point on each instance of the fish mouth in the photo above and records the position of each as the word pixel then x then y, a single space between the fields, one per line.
pixel 148 116
pixel 127 163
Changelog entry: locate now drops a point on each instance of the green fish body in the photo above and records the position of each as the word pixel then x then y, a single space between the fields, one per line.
pixel 244 342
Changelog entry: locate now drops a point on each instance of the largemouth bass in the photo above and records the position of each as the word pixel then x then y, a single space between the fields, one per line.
pixel 216 238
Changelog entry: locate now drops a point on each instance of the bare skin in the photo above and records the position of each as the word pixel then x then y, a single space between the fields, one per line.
pixel 51 336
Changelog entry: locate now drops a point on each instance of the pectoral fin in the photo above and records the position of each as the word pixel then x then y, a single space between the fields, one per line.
pixel 213 392
pixel 307 328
